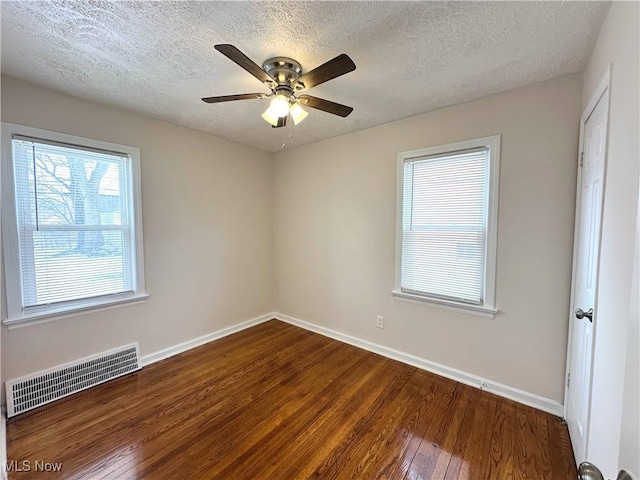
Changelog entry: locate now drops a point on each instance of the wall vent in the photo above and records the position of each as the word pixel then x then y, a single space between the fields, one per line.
pixel 31 391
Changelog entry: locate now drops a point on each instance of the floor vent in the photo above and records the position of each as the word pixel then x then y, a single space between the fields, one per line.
pixel 31 391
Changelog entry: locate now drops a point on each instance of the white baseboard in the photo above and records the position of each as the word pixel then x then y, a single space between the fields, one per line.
pixel 512 393
pixel 196 342
pixel 515 394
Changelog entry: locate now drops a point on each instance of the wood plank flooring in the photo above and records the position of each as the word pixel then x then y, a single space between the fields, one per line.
pixel 277 402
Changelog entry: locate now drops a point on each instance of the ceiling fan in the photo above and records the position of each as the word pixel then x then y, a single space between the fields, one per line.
pixel 284 77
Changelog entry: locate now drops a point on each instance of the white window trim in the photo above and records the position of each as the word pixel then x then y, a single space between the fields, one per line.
pixel 488 308
pixel 15 314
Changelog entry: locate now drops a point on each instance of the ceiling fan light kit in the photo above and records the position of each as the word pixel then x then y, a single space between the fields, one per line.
pixel 297 113
pixel 283 76
pixel 270 117
pixel 280 105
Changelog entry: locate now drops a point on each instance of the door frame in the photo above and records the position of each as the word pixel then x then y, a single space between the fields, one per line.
pixel 603 88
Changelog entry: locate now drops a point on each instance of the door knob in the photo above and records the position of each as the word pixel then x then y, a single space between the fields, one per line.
pixel 581 314
pixel 588 471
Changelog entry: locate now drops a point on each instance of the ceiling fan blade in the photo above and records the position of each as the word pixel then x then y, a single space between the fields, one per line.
pixel 327 71
pixel 229 98
pixel 325 105
pixel 282 122
pixel 232 53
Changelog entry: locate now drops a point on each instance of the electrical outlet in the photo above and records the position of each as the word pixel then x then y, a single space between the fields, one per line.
pixel 380 321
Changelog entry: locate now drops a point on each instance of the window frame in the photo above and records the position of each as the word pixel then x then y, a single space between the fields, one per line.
pixel 15 314
pixel 488 307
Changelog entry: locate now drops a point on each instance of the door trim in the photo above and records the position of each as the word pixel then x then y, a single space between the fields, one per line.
pixel 601 90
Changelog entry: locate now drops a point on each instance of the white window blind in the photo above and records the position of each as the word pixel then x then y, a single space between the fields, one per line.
pixel 444 225
pixel 73 211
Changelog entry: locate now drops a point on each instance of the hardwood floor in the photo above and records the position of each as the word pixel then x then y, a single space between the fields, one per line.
pixel 277 402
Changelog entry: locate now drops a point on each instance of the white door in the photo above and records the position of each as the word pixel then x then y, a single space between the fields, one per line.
pixel 586 255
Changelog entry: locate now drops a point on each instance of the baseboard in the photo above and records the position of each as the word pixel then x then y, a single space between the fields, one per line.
pixel 196 342
pixel 512 393
pixel 515 394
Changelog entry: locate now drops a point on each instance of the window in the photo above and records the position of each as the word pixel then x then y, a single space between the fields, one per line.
pixel 447 225
pixel 72 233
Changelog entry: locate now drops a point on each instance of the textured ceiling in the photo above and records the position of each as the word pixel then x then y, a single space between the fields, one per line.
pixel 157 58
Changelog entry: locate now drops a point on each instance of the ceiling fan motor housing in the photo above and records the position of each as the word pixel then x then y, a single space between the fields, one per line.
pixel 284 70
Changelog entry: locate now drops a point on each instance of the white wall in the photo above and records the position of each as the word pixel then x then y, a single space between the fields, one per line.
pixel 207 233
pixel 616 330
pixel 334 234
pixel 3 431
pixel 630 435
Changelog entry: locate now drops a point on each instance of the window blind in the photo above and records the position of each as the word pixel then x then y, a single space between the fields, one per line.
pixel 444 225
pixel 73 217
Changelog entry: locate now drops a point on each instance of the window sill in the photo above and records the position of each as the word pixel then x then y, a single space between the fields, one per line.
pixel 475 310
pixel 67 311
